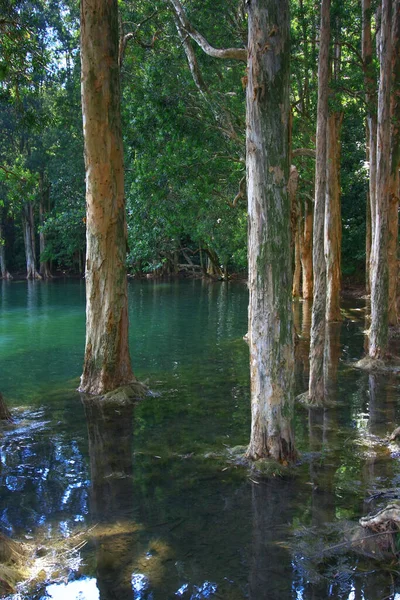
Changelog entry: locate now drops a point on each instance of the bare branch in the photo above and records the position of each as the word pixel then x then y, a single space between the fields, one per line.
pixel 242 193
pixel 303 152
pixel 234 53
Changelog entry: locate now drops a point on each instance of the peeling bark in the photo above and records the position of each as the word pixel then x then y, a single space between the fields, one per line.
pixel 378 337
pixel 107 362
pixel 270 310
pixel 316 384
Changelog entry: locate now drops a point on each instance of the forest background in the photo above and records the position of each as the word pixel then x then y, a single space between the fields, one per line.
pixel 184 137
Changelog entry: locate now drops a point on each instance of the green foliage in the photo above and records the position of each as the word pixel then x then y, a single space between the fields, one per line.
pixel 184 149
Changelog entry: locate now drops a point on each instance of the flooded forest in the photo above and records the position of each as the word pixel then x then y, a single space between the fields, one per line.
pixel 199 312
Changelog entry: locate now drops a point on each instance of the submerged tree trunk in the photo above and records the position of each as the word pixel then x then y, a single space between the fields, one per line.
pixel 107 362
pixel 333 220
pixel 316 384
pixel 394 182
pixel 43 204
pixel 306 244
pixel 29 241
pixel 379 266
pixel 270 311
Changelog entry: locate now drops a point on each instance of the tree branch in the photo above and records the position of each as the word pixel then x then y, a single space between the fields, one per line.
pixel 303 152
pixel 234 53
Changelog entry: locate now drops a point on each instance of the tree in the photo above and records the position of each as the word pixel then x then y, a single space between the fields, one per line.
pixel 378 336
pixel 107 362
pixel 270 319
pixel 269 240
pixel 394 182
pixel 316 384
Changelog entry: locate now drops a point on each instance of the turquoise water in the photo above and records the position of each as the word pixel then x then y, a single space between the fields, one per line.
pixel 160 514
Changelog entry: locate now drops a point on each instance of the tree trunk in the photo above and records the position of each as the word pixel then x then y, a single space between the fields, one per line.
pixel 394 167
pixel 316 384
pixel 306 241
pixel 379 268
pixel 368 241
pixel 296 287
pixel 43 203
pixel 29 241
pixel 270 310
pixel 370 99
pixel 333 220
pixel 107 362
pixel 3 266
pixel 295 234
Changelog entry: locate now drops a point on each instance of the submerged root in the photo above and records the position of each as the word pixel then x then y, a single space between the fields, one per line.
pixel 126 394
pixel 306 401
pixel 13 558
pixel 384 526
pixel 377 365
pixel 238 456
pixel 5 414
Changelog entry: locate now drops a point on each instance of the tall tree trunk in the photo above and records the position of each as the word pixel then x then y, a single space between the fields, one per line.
pixel 370 99
pixel 306 244
pixel 270 310
pixel 107 362
pixel 368 241
pixel 318 324
pixel 394 167
pixel 295 235
pixel 43 204
pixel 379 268
pixel 3 266
pixel 296 287
pixel 333 220
pixel 29 241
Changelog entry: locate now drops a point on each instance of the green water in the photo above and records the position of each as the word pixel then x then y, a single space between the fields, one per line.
pixel 172 519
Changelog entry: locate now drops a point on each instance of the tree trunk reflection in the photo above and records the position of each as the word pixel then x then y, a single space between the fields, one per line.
pixel 111 496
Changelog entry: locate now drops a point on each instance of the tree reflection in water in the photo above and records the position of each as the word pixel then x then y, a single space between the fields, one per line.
pixel 110 435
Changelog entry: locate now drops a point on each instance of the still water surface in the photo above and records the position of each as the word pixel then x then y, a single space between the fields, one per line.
pixel 142 493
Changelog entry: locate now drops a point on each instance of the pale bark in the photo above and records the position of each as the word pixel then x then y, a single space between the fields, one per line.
pixel 107 362
pixel 270 311
pixel 379 268
pixel 235 53
pixel 29 242
pixel 333 220
pixel 318 323
pixel 306 245
pixel 370 99
pixel 394 167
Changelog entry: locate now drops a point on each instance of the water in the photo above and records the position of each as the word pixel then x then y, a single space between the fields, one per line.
pixel 138 502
